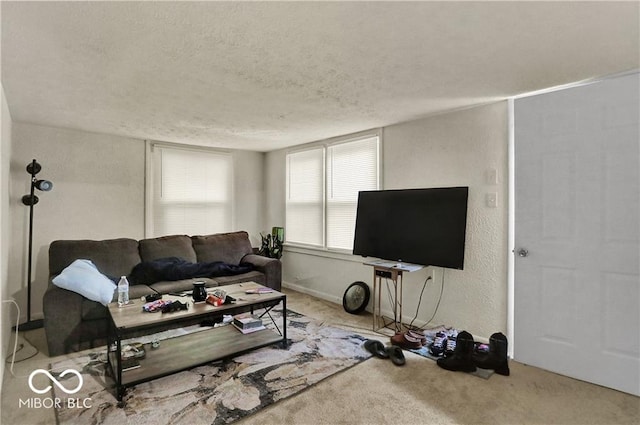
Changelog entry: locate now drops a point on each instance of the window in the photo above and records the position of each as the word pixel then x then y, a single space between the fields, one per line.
pixel 189 191
pixel 322 191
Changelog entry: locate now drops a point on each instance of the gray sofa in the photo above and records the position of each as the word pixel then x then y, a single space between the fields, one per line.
pixel 74 323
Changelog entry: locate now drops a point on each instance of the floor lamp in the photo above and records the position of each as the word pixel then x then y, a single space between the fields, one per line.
pixel 30 200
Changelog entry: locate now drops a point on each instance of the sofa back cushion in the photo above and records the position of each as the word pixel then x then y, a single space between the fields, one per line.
pixel 113 257
pixel 167 246
pixel 226 247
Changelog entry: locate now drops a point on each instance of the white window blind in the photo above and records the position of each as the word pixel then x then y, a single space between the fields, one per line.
pixel 322 191
pixel 191 191
pixel 305 197
pixel 351 167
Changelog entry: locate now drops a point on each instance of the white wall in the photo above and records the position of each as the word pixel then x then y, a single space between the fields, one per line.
pixel 275 178
pixel 249 194
pixel 5 226
pixel 454 149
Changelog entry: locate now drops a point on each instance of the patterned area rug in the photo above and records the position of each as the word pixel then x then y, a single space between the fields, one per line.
pixel 220 392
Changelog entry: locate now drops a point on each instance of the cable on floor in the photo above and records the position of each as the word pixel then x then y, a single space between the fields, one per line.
pixel 15 344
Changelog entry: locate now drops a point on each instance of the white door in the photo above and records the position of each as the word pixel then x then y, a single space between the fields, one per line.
pixel 577 238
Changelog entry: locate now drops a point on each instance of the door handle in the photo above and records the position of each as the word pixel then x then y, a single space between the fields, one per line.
pixel 523 252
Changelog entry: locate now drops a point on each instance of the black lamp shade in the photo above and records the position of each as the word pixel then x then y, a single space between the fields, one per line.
pixel 43 185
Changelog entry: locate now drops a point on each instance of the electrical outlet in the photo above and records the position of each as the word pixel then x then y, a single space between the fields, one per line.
pixel 383 273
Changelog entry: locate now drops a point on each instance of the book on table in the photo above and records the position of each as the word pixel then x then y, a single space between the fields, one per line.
pixel 262 290
pixel 247 321
pixel 249 330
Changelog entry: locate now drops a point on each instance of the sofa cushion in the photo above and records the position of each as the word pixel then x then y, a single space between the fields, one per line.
pixel 113 257
pixel 167 246
pixel 91 310
pixel 254 276
pixel 82 277
pixel 166 287
pixel 225 247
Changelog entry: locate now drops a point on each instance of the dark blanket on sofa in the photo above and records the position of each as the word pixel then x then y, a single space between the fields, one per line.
pixel 173 268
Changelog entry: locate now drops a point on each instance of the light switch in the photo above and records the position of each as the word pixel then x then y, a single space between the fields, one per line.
pixel 491 200
pixel 492 176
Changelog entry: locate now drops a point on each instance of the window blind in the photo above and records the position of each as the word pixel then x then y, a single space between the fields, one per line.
pixel 305 197
pixel 322 191
pixel 191 191
pixel 351 167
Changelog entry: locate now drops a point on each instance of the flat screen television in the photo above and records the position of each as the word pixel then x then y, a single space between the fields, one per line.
pixel 419 226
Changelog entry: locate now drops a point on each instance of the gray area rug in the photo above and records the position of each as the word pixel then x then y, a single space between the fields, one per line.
pixel 220 392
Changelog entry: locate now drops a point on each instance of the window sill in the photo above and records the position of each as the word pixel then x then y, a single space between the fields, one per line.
pixel 323 252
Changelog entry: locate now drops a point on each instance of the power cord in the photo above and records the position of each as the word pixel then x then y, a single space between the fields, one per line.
pixel 424 285
pixel 422 328
pixel 393 300
pixel 15 344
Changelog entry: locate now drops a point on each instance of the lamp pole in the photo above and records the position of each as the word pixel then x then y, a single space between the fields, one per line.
pixel 33 168
pixel 30 257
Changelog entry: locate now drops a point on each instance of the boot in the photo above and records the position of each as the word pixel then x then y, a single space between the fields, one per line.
pixel 462 357
pixel 496 358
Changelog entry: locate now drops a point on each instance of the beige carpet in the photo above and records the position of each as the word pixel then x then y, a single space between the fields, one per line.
pixel 377 392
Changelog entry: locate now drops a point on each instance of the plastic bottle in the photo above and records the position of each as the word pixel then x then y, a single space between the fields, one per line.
pixel 123 291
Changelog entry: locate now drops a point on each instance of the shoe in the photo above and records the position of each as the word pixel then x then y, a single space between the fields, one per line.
pixel 438 345
pixel 376 348
pixel 462 357
pixel 418 335
pixel 451 346
pixel 396 355
pixel 402 340
pixel 480 348
pixel 496 359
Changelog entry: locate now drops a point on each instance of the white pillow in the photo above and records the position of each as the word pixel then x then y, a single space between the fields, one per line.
pixel 83 277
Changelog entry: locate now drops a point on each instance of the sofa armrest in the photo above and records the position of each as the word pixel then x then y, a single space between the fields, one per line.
pixel 62 318
pixel 271 267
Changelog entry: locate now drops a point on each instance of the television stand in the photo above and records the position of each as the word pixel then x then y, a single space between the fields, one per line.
pixel 393 271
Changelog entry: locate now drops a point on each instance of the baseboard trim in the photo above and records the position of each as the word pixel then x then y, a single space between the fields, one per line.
pixel 312 292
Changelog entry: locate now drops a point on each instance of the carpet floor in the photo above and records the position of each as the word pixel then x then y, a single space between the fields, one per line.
pixel 218 392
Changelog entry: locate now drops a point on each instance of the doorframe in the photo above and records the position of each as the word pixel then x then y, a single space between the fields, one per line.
pixel 511 189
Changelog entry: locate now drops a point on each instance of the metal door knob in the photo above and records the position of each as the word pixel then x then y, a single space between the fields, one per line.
pixel 523 252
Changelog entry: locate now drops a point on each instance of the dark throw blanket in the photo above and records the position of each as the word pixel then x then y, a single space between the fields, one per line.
pixel 173 268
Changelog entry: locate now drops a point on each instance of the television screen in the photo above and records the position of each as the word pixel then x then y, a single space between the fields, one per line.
pixel 419 226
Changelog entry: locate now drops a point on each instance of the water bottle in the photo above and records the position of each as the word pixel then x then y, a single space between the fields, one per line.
pixel 123 291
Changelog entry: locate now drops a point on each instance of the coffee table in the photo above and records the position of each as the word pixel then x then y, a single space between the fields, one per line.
pixel 194 349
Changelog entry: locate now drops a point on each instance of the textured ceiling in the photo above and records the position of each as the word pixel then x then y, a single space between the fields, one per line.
pixel 267 75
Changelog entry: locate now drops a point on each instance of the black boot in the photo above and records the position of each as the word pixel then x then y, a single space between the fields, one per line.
pixel 496 358
pixel 462 357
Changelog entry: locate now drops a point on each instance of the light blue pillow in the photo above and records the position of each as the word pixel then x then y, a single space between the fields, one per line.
pixel 84 278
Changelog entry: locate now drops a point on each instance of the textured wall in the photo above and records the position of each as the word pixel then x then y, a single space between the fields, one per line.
pixel 5 227
pixel 98 193
pixel 460 149
pixel 455 149
pixel 248 194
